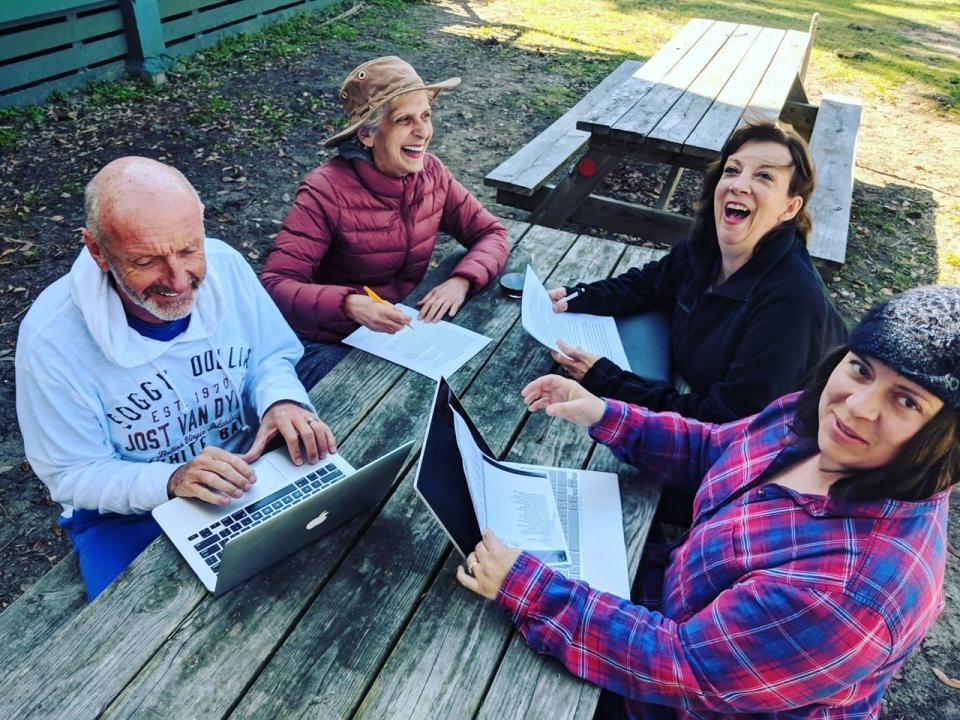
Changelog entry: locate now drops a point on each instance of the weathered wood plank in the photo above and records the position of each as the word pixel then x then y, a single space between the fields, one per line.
pixel 533 164
pixel 527 682
pixel 683 118
pixel 39 93
pixel 669 187
pixel 11 12
pixel 49 604
pixel 643 117
pixel 719 122
pixel 208 662
pixel 771 94
pixel 573 188
pixel 70 30
pixel 620 98
pixel 452 624
pixel 834 148
pixel 72 58
pixel 176 7
pixel 84 664
pixel 801 116
pixel 649 224
pixel 201 22
pixel 327 662
pixel 89 661
pixel 637 256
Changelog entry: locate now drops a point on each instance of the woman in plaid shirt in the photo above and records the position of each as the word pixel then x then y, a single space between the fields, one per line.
pixel 816 557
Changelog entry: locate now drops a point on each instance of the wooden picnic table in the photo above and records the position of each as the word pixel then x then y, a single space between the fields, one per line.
pixel 680 108
pixel 370 620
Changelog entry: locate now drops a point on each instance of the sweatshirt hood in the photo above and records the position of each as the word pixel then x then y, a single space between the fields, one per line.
pixel 103 313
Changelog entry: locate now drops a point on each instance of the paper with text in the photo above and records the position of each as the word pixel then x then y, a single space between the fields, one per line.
pixel 431 349
pixel 517 504
pixel 594 333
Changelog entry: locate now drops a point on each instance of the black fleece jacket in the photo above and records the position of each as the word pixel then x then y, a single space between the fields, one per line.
pixel 739 345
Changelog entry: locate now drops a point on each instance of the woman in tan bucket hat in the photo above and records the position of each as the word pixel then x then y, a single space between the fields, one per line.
pixel 370 217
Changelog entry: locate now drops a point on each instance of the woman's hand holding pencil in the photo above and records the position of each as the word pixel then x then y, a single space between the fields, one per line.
pixel 372 311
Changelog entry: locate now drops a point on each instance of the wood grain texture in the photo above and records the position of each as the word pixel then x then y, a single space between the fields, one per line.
pixel 84 664
pixel 556 207
pixel 328 661
pixel 640 120
pixel 208 662
pixel 453 633
pixel 774 88
pixel 834 148
pixel 50 603
pixel 533 164
pixel 686 114
pixel 608 111
pixel 723 117
pixel 648 224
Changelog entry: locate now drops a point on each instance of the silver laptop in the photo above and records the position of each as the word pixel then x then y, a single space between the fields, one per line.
pixel 588 501
pixel 288 507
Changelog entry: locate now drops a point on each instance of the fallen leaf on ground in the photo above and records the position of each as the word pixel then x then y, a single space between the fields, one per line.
pixel 948 681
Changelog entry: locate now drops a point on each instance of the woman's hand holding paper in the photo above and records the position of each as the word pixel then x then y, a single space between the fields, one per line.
pixel 487 566
pixel 575 360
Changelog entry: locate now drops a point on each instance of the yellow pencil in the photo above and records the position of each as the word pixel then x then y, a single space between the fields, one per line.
pixel 376 298
pixel 373 296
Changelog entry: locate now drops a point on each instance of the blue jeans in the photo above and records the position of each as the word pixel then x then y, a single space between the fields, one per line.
pixel 107 543
pixel 318 359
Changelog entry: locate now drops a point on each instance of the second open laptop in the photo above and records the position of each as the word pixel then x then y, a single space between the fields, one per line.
pixel 288 507
pixel 588 501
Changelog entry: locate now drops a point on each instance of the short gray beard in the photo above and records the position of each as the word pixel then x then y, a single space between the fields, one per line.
pixel 164 313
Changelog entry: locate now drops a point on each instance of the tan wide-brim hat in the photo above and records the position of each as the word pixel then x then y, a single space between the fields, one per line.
pixel 376 82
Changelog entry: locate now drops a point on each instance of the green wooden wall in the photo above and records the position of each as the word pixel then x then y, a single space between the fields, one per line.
pixel 48 45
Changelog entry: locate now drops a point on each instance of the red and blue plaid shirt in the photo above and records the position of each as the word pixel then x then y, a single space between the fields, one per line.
pixel 778 604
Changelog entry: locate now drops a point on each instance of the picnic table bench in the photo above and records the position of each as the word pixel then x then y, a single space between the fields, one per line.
pixel 679 108
pixel 367 622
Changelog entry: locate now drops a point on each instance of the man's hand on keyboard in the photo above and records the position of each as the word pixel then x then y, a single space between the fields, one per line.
pixel 213 476
pixel 296 425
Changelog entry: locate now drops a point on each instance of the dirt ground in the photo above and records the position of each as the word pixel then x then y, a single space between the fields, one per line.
pixel 245 127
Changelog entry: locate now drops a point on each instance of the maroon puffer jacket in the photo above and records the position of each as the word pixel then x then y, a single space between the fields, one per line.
pixel 351 226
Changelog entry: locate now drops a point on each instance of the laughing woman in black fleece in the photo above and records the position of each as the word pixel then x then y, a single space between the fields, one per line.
pixel 749 315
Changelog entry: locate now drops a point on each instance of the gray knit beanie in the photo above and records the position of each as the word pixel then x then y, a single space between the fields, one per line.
pixel 918 335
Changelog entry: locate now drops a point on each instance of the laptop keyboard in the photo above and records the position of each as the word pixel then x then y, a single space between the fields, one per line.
pixel 567 492
pixel 211 540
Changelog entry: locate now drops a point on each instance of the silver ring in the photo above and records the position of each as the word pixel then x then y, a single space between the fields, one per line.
pixel 313 420
pixel 474 564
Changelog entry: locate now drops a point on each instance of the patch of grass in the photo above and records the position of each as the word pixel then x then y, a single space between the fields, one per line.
pixel 907 42
pixel 212 109
pixel 552 100
pixel 401 32
pixel 118 91
pixel 12 121
pixel 8 138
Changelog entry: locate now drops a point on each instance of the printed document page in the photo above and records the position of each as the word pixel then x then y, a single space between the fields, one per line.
pixel 517 504
pixel 594 333
pixel 472 457
pixel 431 349
pixel 522 511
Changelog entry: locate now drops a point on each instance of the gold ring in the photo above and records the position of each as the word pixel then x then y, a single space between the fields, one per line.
pixel 474 564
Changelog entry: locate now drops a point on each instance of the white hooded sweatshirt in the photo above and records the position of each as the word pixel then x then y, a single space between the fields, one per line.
pixel 106 413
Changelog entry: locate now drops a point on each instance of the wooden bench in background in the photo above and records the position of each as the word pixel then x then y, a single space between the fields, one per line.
pixel 562 155
pixel 834 147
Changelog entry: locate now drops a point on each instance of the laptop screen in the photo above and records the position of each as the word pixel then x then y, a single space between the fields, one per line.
pixel 440 479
